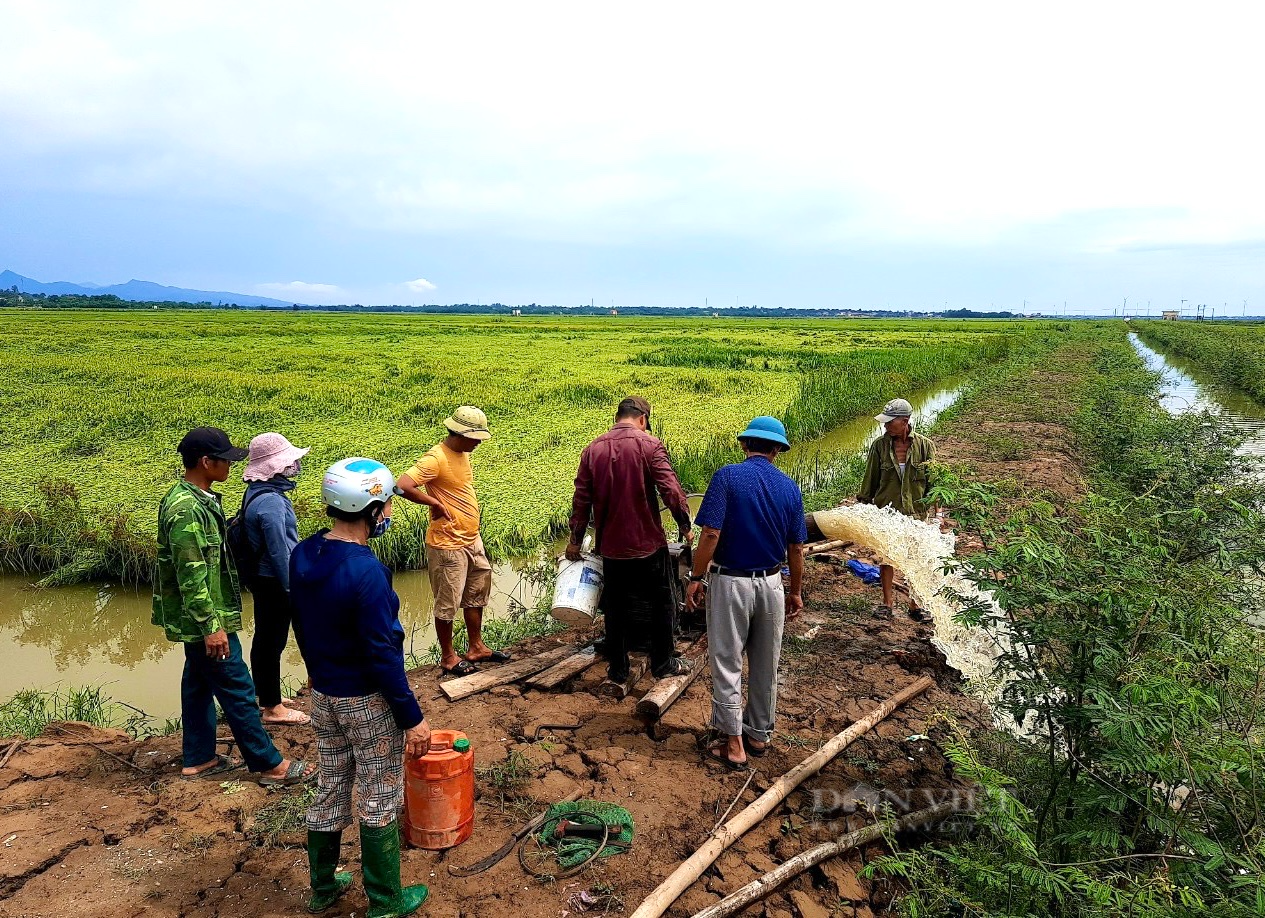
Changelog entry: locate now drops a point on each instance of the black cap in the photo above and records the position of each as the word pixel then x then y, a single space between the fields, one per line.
pixel 209 441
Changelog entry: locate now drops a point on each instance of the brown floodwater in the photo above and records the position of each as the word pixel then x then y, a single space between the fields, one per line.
pixel 100 634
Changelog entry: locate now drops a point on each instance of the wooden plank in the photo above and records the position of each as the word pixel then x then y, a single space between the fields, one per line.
pixel 665 691
pixel 637 665
pixel 456 689
pixel 561 672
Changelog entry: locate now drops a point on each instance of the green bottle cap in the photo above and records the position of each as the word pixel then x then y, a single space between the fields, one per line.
pixel 461 745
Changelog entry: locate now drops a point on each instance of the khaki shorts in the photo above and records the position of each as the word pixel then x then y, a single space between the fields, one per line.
pixel 460 578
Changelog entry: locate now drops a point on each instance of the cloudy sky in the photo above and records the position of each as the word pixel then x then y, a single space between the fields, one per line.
pixel 840 154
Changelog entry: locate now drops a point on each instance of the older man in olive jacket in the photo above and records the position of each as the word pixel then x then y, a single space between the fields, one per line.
pixel 896 475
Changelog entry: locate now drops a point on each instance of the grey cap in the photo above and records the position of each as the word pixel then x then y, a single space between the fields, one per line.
pixel 896 408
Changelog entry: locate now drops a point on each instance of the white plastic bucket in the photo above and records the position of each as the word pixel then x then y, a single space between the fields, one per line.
pixel 578 590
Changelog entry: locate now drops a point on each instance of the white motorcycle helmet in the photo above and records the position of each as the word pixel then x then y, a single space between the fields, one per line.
pixel 351 485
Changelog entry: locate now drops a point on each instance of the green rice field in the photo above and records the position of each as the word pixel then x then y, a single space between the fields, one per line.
pixel 96 402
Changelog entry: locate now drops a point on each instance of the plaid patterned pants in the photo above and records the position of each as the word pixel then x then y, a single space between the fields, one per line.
pixel 360 744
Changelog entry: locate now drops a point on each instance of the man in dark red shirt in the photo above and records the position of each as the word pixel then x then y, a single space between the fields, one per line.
pixel 622 474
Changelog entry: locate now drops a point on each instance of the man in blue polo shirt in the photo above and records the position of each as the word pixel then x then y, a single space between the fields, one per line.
pixel 753 520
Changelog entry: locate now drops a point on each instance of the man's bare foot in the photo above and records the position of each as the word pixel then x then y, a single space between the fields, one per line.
pixel 198 769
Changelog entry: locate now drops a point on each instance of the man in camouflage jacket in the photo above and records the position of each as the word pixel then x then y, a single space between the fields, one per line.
pixel 198 603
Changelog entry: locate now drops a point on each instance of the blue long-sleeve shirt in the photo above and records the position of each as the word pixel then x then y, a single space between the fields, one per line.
pixel 271 526
pixel 347 621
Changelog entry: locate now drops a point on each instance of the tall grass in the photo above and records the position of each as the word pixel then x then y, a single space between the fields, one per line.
pixel 30 711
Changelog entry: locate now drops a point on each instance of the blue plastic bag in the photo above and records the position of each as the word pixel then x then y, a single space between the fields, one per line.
pixel 867 572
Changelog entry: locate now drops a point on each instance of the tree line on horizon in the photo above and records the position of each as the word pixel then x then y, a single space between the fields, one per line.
pixel 14 298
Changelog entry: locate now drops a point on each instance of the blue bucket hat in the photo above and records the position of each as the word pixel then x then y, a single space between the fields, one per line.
pixel 766 428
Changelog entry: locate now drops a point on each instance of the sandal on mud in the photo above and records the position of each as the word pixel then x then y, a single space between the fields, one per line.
pixel 883 611
pixel 718 754
pixel 297 773
pixel 463 668
pixel 222 764
pixel 919 614
pixel 674 667
pixel 291 718
pixel 756 751
pixel 497 656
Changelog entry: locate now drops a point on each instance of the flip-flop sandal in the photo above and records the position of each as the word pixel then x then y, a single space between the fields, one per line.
pixel 756 751
pixel 464 668
pixel 717 754
pixel 297 773
pixel 674 667
pixel 292 719
pixel 498 656
pixel 883 611
pixel 222 764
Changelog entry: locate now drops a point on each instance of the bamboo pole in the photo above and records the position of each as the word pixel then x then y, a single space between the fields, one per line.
pixel 762 886
pixel 690 870
pixel 825 546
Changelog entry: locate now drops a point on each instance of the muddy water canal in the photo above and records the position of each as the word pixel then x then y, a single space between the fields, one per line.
pixel 1185 388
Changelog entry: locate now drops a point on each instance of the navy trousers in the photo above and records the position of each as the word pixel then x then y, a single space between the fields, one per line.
pixel 228 681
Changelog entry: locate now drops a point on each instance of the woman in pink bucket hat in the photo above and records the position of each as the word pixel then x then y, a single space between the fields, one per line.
pixel 272 531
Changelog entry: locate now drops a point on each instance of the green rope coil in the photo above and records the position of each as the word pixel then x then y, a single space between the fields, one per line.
pixel 573 850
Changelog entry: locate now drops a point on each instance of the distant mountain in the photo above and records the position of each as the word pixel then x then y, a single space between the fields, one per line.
pixel 136 290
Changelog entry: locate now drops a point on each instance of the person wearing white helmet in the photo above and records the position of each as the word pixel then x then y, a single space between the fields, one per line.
pixel 896 475
pixel 459 569
pixel 346 619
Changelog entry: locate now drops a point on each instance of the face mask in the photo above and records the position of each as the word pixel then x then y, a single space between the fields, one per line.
pixel 292 471
pixel 380 527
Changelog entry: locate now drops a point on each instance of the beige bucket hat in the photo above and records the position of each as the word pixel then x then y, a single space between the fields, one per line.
pixel 468 421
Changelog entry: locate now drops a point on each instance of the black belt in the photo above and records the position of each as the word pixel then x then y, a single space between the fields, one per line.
pixel 736 572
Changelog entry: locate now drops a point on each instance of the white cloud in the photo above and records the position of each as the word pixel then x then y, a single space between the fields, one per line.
pixel 819 125
pixel 421 285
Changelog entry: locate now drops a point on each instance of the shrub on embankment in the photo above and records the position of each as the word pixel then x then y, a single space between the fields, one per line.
pixel 1135 663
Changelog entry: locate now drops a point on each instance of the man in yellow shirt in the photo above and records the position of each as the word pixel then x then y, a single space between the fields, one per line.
pixel 460 573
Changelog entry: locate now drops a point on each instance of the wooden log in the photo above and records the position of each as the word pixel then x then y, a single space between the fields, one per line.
pixel 637 666
pixel 561 672
pixel 665 691
pixel 456 689
pixel 691 869
pixel 762 886
pixel 825 546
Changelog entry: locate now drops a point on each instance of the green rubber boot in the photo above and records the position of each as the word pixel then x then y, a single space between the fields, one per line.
pixel 322 860
pixel 380 860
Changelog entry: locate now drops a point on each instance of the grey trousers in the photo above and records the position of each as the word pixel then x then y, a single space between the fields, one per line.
pixel 745 614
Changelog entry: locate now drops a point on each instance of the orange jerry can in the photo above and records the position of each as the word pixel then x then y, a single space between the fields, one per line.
pixel 439 793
